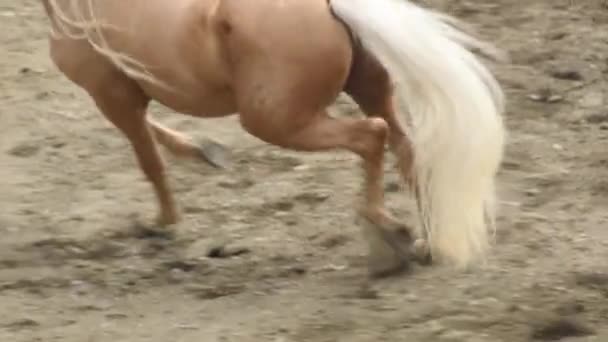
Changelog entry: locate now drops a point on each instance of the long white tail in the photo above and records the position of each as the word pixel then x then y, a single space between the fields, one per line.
pixel 451 107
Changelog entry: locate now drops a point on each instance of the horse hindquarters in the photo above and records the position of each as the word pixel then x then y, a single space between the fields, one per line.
pixel 284 71
pixel 452 106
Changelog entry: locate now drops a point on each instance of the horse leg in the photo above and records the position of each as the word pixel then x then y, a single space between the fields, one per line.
pixel 365 137
pixel 369 85
pixel 124 104
pixel 182 145
pixel 126 109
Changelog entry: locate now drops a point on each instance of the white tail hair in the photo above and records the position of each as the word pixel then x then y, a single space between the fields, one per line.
pixel 451 107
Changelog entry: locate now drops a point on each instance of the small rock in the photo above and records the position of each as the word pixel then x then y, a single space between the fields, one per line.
pixel 332 267
pixel 570 75
pixel 335 241
pixel 597 118
pixel 557 35
pixel 302 167
pixel 213 292
pixel 182 265
pixel 532 192
pixel 89 307
pixel 392 187
pixel 555 98
pixel 116 315
pixel 177 276
pixel 545 95
pixel 24 150
pixel 591 279
pixel 236 183
pixel 312 197
pixel 570 309
pixel 58 144
pixel 24 323
pixel 293 270
pixel 67 322
pixel 283 206
pixel 42 95
pixel 223 251
pixel 367 292
pixel 560 328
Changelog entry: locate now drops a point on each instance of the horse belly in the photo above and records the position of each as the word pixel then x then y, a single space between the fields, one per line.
pixel 198 99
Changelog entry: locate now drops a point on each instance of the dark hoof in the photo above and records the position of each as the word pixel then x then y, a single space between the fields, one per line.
pixel 398 241
pixel 426 260
pixel 214 153
pixel 223 251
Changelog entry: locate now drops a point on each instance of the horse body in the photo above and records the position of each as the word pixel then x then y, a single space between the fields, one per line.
pixel 210 48
pixel 279 64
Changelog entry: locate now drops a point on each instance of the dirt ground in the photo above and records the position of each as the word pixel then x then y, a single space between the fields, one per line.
pixel 74 267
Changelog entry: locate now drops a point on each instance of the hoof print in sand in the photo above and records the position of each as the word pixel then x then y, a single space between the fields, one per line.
pixel 556 329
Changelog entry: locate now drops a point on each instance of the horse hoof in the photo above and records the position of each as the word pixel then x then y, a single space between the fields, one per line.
pixel 422 252
pixel 385 261
pixel 214 154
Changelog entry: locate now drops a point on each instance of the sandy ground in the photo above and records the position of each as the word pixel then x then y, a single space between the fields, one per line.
pixel 75 268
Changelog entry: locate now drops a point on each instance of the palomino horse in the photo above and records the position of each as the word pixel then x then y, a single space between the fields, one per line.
pixel 279 64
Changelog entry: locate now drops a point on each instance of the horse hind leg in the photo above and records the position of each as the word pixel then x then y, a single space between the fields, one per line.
pixel 369 85
pixel 123 103
pixel 181 145
pixel 366 138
